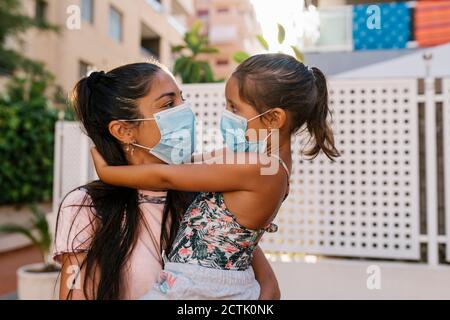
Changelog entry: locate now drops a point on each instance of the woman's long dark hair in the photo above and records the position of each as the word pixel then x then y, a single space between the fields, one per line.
pixel 98 100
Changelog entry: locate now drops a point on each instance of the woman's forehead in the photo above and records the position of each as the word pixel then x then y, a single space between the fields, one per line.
pixel 163 83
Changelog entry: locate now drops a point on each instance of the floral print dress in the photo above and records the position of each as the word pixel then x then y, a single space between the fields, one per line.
pixel 210 236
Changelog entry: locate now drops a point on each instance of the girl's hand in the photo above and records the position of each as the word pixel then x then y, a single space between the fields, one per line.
pixel 99 163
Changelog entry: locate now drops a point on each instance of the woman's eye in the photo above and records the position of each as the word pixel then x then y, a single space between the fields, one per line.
pixel 169 105
pixel 233 109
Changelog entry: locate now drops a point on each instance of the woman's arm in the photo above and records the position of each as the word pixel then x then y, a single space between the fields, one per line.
pixel 73 277
pixel 265 276
pixel 184 177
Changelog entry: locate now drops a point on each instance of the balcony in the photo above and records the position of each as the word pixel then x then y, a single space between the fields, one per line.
pixel 182 7
pixel 178 23
pixel 156 5
pixel 150 42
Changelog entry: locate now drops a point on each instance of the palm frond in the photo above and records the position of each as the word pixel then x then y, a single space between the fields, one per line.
pixel 13 229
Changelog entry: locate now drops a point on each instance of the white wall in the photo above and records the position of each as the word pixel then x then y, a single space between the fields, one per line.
pixel 410 66
pixel 344 279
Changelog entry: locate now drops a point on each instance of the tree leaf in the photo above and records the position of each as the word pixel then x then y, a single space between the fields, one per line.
pixel 186 72
pixel 208 50
pixel 188 67
pixel 209 76
pixel 195 76
pixel 263 42
pixel 240 56
pixel 12 229
pixel 178 48
pixel 298 54
pixel 281 34
pixel 196 27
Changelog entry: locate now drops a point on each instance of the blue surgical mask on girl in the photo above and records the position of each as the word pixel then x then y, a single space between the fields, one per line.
pixel 177 128
pixel 234 127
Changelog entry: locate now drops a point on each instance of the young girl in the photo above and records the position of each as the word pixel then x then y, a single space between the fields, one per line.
pixel 212 252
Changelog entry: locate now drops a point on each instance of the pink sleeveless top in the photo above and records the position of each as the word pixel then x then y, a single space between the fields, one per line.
pixel 144 265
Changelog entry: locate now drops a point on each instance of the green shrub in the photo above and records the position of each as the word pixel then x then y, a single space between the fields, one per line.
pixel 26 143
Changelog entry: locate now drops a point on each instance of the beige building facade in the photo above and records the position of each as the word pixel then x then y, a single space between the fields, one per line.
pixel 103 34
pixel 231 26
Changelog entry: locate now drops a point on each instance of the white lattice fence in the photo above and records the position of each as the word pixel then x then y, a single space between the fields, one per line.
pixel 208 101
pixel 71 160
pixel 364 205
pixel 446 143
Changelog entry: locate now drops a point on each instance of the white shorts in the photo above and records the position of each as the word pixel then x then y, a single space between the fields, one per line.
pixel 184 281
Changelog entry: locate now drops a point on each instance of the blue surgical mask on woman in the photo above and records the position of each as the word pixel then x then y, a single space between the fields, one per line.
pixel 234 127
pixel 177 128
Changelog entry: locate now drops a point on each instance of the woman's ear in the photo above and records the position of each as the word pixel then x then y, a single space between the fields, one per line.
pixel 121 131
pixel 276 119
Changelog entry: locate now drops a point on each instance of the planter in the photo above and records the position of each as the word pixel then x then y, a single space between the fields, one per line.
pixel 37 285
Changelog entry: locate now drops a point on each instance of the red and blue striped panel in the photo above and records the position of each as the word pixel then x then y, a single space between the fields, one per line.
pixel 432 23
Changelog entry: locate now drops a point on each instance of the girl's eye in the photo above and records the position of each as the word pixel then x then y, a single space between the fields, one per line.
pixel 233 109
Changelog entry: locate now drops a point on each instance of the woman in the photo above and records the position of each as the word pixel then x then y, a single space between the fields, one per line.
pixel 109 239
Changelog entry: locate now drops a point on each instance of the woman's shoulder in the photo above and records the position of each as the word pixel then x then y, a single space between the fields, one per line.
pixel 76 207
pixel 75 224
pixel 79 196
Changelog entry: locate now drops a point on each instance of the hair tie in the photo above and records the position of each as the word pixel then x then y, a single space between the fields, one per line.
pixel 94 77
pixel 311 71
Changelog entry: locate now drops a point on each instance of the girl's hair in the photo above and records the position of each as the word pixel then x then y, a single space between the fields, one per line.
pixel 268 81
pixel 98 100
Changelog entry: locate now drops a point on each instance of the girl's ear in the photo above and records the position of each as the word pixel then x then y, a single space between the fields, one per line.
pixel 121 131
pixel 276 119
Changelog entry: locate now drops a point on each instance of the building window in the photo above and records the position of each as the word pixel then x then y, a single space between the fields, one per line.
pixel 84 68
pixel 222 62
pixel 223 10
pixel 202 13
pixel 150 42
pixel 87 10
pixel 41 10
pixel 115 24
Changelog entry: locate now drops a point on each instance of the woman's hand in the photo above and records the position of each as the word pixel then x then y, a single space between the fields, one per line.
pixel 265 276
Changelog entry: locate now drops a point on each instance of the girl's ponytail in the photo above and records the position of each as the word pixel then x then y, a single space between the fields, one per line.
pixel 317 124
pixel 277 80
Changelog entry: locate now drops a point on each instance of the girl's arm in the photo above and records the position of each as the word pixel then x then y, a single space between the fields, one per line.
pixel 265 276
pixel 214 155
pixel 184 177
